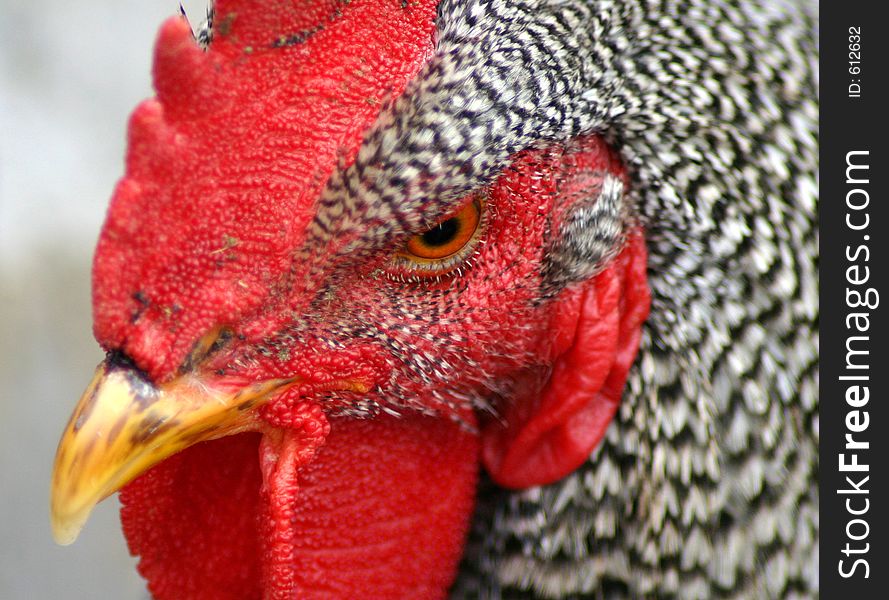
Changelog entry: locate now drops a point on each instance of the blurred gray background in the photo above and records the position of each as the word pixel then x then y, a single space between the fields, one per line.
pixel 70 73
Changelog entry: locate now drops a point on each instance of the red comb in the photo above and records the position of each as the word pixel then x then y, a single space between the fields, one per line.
pixel 224 167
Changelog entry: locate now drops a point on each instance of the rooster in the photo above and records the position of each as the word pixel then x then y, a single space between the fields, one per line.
pixel 500 299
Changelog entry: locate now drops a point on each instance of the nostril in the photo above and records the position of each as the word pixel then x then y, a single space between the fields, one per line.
pixel 206 346
pixel 140 383
pixel 117 358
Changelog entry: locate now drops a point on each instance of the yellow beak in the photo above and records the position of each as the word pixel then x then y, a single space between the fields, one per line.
pixel 124 425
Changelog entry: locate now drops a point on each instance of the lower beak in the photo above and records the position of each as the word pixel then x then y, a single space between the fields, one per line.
pixel 124 425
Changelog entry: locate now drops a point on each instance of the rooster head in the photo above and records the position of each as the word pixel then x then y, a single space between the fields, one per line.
pixel 330 287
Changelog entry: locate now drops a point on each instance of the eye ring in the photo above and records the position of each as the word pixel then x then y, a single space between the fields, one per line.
pixel 444 247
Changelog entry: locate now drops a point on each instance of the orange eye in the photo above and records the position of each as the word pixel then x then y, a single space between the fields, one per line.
pixel 447 237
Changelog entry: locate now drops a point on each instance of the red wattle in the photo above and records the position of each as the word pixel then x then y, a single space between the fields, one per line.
pixel 193 521
pixel 282 454
pixel 381 512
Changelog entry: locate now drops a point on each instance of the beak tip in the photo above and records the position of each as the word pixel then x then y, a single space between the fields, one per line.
pixel 67 516
pixel 66 529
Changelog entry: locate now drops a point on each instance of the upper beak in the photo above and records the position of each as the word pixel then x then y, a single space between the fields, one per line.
pixel 124 425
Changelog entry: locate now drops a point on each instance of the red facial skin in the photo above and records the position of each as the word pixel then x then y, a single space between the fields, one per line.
pixel 223 172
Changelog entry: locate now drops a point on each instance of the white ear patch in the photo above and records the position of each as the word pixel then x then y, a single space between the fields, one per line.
pixel 590 235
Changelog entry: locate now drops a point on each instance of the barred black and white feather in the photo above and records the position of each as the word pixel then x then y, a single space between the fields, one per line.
pixel 706 484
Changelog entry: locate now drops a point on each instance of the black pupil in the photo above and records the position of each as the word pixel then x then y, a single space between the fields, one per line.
pixel 442 234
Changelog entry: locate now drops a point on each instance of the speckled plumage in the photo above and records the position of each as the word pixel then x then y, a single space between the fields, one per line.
pixel 706 484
